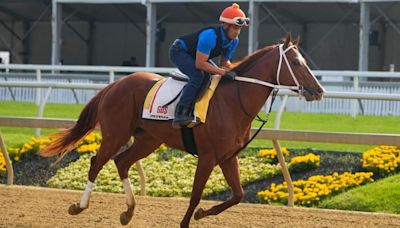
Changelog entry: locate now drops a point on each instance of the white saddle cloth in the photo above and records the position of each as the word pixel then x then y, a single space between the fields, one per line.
pixel 161 100
pixel 162 93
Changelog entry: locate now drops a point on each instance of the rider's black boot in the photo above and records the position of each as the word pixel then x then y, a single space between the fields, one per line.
pixel 183 116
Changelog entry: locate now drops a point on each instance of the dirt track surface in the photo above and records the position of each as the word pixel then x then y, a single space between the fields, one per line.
pixel 22 206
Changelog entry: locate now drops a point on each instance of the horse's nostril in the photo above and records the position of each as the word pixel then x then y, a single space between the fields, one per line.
pixel 320 90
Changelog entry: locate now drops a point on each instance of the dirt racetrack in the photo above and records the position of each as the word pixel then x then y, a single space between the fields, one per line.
pixel 22 206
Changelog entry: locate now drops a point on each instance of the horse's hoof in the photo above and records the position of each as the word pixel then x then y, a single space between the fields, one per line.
pixel 74 209
pixel 126 216
pixel 184 225
pixel 200 213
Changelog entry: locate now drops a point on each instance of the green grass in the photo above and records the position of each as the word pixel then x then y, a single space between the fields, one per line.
pixel 16 136
pixel 31 110
pixel 330 122
pixel 381 196
pixel 296 121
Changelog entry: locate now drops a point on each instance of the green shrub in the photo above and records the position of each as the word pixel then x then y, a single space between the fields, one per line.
pixel 171 177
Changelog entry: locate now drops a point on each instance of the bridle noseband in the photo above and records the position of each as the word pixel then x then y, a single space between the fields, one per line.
pixel 282 56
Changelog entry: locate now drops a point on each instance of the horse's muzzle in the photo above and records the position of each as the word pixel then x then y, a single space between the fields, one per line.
pixel 312 94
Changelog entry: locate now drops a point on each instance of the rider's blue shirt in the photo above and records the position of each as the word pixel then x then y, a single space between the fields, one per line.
pixel 208 40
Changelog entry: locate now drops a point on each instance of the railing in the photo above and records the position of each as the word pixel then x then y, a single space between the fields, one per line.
pixel 50 86
pixel 165 70
pixel 351 81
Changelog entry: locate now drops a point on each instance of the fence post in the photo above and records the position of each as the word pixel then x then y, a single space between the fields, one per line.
pixel 280 156
pixel 41 109
pixel 285 172
pixel 74 92
pixel 38 79
pixel 277 122
pixel 10 171
pixel 142 178
pixel 354 102
pixel 10 90
pixel 112 76
pixel 139 168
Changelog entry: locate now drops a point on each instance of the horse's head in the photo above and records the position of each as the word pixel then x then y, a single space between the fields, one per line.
pixel 293 71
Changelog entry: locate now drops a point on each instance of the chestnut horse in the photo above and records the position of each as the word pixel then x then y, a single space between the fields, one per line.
pixel 117 108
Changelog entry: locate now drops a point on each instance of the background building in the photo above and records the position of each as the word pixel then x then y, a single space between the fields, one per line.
pixel 98 32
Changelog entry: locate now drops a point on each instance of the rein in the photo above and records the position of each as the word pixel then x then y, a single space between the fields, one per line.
pixel 259 119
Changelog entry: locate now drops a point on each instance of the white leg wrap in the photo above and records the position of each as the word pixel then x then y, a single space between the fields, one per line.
pixel 128 192
pixel 86 195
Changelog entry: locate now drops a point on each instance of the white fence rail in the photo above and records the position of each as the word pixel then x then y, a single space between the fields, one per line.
pixel 86 86
pixel 343 81
pixel 368 105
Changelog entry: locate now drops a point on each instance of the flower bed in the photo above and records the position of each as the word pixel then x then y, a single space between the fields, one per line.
pixel 271 154
pixel 303 163
pixel 25 150
pixel 382 160
pixel 29 148
pixel 90 144
pixel 309 192
pixel 170 173
pixel 171 177
pixel 2 165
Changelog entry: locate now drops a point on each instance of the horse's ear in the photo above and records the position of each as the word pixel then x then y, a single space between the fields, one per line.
pixel 297 40
pixel 287 40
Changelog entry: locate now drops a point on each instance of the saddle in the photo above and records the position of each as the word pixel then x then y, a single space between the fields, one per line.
pixel 179 76
pixel 163 97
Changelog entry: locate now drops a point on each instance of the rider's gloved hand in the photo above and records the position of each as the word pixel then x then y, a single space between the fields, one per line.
pixel 230 75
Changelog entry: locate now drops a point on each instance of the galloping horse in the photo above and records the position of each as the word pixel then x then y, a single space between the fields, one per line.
pixel 117 108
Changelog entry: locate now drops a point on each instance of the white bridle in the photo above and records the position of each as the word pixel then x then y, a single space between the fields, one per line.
pixel 282 55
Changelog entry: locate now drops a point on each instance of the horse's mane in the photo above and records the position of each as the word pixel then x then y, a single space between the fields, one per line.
pixel 241 65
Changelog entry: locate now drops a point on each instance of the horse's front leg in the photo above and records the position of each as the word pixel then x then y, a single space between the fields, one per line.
pixel 230 169
pixel 204 168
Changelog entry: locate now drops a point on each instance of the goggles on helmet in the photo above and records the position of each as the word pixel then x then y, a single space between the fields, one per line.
pixel 239 21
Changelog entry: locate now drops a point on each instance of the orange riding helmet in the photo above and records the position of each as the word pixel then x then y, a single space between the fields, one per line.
pixel 234 15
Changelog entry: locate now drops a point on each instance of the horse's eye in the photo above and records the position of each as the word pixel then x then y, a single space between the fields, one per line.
pixel 296 62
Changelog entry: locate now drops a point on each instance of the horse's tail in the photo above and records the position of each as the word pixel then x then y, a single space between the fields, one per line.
pixel 65 141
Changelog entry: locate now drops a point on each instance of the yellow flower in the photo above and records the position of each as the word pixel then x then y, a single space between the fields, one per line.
pixel 310 191
pixel 94 147
pixel 272 153
pixel 382 159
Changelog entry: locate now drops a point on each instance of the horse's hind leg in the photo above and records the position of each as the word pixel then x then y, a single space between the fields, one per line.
pixel 143 145
pixel 108 148
pixel 230 169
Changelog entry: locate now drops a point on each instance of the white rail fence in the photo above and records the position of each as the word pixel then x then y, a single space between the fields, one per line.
pixel 343 81
pixel 284 93
pixel 346 106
